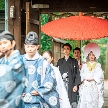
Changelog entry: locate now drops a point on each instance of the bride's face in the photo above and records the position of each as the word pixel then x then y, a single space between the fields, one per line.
pixel 91 56
pixel 48 57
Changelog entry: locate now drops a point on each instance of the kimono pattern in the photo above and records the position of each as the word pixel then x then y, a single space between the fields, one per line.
pixel 40 77
pixel 63 95
pixel 91 93
pixel 12 75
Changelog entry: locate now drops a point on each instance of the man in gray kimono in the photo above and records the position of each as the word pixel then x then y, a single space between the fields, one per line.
pixel 68 67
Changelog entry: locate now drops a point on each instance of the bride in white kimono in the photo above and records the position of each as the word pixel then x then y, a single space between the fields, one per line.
pixel 92 88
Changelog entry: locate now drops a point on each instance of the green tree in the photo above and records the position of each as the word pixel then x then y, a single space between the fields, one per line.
pixel 2 4
pixel 46 41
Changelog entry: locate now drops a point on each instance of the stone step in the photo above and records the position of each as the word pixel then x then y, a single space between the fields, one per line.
pixel 106 102
pixel 105 107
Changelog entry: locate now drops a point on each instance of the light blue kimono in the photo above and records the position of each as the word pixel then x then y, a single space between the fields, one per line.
pixel 40 77
pixel 12 75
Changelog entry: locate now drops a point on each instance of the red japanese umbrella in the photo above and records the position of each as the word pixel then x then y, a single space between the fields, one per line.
pixel 77 28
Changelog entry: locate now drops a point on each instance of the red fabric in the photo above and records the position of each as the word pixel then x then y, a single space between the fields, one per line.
pixel 77 28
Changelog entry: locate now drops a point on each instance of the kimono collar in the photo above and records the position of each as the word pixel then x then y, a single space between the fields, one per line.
pixel 12 55
pixel 91 66
pixel 36 56
pixel 65 58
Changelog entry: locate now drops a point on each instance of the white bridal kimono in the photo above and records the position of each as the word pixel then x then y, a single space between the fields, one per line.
pixel 91 93
pixel 63 96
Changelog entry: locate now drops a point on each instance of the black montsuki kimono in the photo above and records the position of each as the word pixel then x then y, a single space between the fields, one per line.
pixel 70 66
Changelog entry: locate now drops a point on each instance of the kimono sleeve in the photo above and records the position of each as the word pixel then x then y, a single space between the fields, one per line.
pixel 11 87
pixel 47 89
pixel 98 76
pixel 64 100
pixel 2 60
pixel 82 73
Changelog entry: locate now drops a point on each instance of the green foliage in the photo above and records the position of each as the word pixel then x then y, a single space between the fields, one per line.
pixel 46 41
pixel 2 4
pixel 85 42
pixel 44 19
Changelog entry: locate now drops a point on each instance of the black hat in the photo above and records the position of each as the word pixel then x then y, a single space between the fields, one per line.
pixel 6 35
pixel 31 38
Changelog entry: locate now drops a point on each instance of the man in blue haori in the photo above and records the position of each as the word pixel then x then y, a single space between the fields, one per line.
pixel 41 85
pixel 12 72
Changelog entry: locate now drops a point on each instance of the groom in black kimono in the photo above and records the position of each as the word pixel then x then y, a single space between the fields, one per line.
pixel 68 67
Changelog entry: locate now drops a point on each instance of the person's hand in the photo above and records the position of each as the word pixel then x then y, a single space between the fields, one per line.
pixel 34 93
pixel 75 89
pixel 23 94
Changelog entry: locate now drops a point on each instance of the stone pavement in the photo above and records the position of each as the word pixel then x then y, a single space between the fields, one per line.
pixel 105 94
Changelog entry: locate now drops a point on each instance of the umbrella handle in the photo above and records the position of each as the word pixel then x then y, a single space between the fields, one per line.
pixel 80 61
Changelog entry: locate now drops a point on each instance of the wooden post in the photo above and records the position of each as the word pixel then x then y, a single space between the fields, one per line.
pixel 27 17
pixel 10 20
pixel 15 24
pixel 32 19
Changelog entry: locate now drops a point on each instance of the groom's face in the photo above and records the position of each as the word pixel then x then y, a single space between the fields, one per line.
pixel 66 50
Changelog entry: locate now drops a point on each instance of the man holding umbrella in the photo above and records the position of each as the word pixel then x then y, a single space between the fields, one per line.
pixel 77 56
pixel 68 67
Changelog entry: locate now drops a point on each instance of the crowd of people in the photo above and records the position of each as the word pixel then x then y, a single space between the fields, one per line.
pixel 32 81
